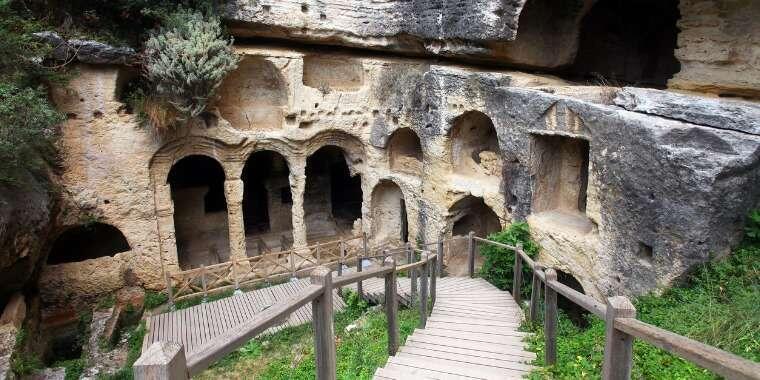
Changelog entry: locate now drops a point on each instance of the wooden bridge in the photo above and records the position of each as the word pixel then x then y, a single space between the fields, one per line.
pixel 471 332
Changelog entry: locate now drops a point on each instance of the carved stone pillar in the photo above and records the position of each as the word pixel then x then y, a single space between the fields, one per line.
pixel 297 189
pixel 165 227
pixel 233 191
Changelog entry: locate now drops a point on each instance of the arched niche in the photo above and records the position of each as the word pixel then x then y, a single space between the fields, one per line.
pixel 577 314
pixel 472 214
pixel 267 203
pixel 389 216
pixel 405 151
pixel 333 197
pixel 474 146
pixel 469 214
pixel 87 241
pixel 561 171
pixel 253 96
pixel 200 211
pixel 629 42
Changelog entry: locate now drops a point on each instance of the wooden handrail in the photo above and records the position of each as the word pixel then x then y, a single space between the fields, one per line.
pixel 239 335
pixel 618 351
pixel 721 362
pixel 351 278
pixel 173 365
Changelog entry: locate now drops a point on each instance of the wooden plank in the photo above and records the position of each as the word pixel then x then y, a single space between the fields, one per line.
pixel 475 337
pixel 405 372
pixel 476 329
pixel 455 368
pixel 468 321
pixel 474 346
pixel 467 359
pixel 464 351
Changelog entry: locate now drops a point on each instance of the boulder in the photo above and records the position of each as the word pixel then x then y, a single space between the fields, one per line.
pixel 87 51
pixel 735 115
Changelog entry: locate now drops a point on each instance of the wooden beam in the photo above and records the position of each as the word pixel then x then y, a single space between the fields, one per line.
pixel 535 294
pixel 517 275
pixel 424 273
pixel 550 318
pixel 721 362
pixel 162 360
pixel 322 321
pixel 471 254
pixel 618 346
pixel 391 305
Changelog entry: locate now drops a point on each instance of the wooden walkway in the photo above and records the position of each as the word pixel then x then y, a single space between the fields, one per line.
pixel 195 325
pixel 471 334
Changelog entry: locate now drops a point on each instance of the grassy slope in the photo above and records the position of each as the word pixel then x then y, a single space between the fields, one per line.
pixel 289 354
pixel 718 305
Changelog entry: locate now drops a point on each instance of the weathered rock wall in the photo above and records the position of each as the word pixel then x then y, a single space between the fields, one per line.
pixel 661 194
pixel 719 47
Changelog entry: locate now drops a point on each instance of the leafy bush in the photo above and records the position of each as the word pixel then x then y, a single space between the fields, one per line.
pixel 26 130
pixel 187 60
pixel 499 263
pixel 752 228
pixel 717 305
pixel 154 299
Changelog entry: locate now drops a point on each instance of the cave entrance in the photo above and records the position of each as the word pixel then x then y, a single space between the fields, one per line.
pixel 267 203
pixel 389 217
pixel 88 241
pixel 405 151
pixel 200 211
pixel 629 41
pixel 475 146
pixel 333 198
pixel 561 165
pixel 469 214
pixel 472 214
pixel 577 314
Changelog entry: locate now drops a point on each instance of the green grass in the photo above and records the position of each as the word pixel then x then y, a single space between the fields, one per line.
pixel 135 346
pixel 289 354
pixel 716 305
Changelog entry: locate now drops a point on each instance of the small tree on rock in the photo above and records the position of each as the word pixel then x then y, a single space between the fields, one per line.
pixel 186 61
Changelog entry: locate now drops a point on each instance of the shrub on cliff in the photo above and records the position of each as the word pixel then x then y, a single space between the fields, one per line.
pixel 499 263
pixel 186 61
pixel 27 123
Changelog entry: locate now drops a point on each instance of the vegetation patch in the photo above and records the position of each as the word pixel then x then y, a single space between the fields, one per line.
pixel 499 263
pixel 361 347
pixel 716 305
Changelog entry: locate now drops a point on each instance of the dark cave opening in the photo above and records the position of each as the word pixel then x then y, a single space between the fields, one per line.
pixel 329 182
pixel 88 241
pixel 577 314
pixel 200 211
pixel 628 42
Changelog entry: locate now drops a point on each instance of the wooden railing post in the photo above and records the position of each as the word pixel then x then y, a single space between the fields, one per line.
pixel 433 280
pixel 169 290
pixel 471 254
pixel 203 283
pixel 292 263
pixel 341 257
pixel 535 293
pixel 391 305
pixel 517 275
pixel 359 262
pixel 235 277
pixel 412 273
pixel 439 259
pixel 424 273
pixel 322 322
pixel 618 346
pixel 162 360
pixel 550 318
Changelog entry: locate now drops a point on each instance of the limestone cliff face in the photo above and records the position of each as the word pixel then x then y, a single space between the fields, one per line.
pixel 536 33
pixel 25 217
pixel 719 47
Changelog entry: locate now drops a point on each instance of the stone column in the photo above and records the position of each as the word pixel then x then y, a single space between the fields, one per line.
pixel 297 189
pixel 233 191
pixel 165 227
